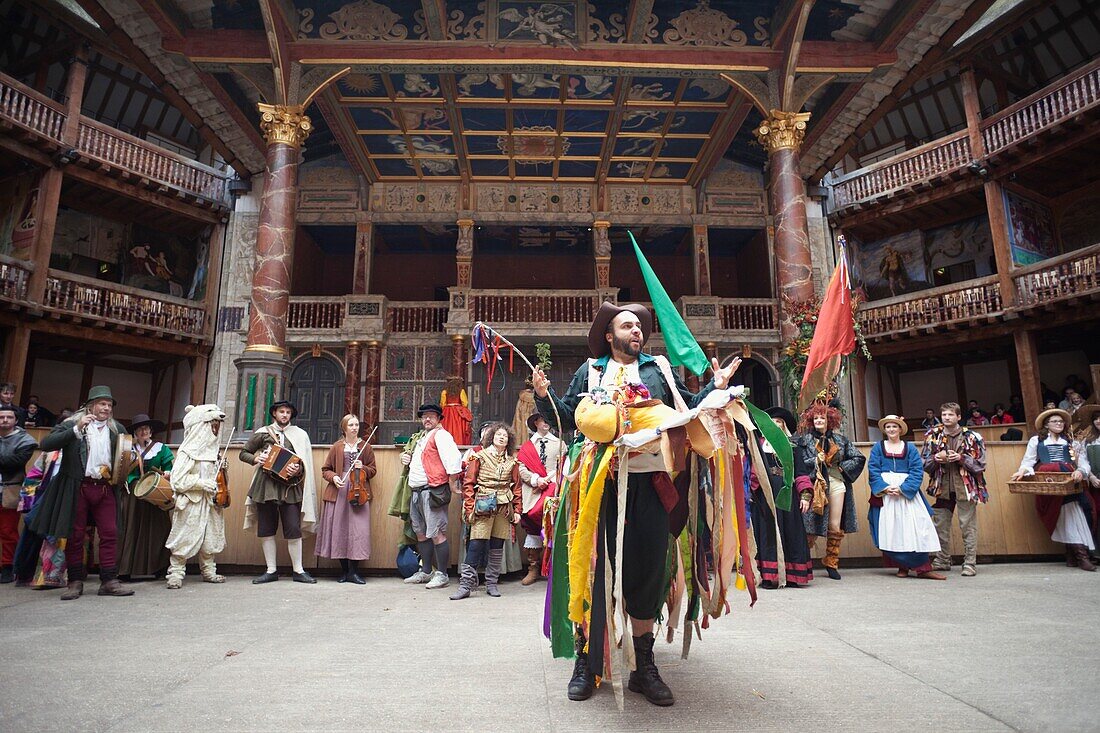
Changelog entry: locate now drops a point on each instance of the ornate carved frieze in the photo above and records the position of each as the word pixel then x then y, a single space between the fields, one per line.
pixel 650 199
pixel 535 198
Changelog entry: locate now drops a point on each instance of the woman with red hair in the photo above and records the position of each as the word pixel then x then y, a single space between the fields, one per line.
pixel 835 464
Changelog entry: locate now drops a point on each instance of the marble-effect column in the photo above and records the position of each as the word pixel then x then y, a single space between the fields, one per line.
pixel 285 129
pixel 364 251
pixel 372 399
pixel 701 242
pixel 782 134
pixel 464 252
pixel 459 354
pixel 352 354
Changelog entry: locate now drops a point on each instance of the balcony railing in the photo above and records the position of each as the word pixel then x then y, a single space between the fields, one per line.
pixel 943 306
pixel 121 306
pixel 1071 97
pixel 748 314
pixel 416 317
pixel 13 280
pixel 43 118
pixel 506 307
pixel 316 313
pixel 1060 278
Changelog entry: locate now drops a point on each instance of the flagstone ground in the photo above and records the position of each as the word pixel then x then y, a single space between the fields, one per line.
pixel 1015 648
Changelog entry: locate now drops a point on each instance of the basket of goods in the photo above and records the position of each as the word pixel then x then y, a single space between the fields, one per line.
pixel 1050 483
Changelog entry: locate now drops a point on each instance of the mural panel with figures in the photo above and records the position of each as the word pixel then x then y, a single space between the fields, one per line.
pixel 1031 232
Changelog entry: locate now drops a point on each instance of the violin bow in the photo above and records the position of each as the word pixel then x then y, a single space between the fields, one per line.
pixel 366 442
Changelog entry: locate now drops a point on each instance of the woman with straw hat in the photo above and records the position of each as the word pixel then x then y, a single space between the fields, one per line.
pixel 1069 519
pixel 899 515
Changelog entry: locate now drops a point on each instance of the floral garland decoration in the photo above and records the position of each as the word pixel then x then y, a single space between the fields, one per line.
pixel 793 356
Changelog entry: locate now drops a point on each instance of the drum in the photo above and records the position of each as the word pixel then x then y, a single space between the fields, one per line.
pixel 124 459
pixel 278 463
pixel 155 488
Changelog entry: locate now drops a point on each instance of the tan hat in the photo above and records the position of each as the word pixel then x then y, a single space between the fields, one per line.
pixel 1085 414
pixel 1047 414
pixel 597 344
pixel 899 421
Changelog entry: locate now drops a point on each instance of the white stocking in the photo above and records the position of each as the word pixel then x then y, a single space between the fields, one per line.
pixel 295 547
pixel 268 544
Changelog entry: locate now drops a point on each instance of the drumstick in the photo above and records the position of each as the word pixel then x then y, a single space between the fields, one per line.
pixel 343 479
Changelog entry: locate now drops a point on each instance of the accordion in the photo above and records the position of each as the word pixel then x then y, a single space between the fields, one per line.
pixel 278 463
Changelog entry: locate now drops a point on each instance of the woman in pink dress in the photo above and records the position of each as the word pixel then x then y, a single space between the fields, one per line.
pixel 344 531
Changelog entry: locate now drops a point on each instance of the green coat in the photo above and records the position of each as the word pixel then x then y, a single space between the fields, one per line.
pixel 54 517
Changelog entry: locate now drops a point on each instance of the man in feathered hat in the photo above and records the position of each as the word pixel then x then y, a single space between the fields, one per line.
pixel 615 340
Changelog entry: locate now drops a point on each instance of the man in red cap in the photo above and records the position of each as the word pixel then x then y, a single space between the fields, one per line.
pixel 615 340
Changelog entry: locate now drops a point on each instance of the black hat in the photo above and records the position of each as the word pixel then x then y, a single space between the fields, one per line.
pixel 429 407
pixel 531 422
pixel 283 403
pixel 786 416
pixel 597 344
pixel 143 419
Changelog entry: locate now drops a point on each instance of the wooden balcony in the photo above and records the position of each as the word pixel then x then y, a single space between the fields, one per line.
pixel 40 121
pixel 948 307
pixel 99 304
pixel 1069 101
pixel 1069 277
pixel 564 314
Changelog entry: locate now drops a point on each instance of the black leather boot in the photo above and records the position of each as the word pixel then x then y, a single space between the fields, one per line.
pixel 583 683
pixel 646 679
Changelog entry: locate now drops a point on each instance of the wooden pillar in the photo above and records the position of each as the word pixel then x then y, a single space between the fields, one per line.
pixel 364 257
pixel 464 252
pixel 858 377
pixel 601 248
pixel 352 352
pixel 215 248
pixel 16 348
pixel 701 258
pixel 1094 369
pixel 1027 357
pixel 199 365
pixel 782 134
pixel 994 195
pixel 372 399
pixel 960 388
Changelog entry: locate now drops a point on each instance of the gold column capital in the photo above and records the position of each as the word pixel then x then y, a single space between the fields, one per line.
pixel 601 224
pixel 283 123
pixel 782 130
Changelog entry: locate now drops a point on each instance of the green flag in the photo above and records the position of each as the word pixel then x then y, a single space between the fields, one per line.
pixel 781 444
pixel 683 349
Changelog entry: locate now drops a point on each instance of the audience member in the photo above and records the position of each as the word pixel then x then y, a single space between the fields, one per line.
pixel 1000 417
pixel 1016 408
pixel 7 400
pixel 930 420
pixel 976 418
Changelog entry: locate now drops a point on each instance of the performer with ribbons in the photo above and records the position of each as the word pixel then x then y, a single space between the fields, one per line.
pixel 538 463
pixel 616 339
pixel 198 527
pixel 92 453
pixel 145 526
pixel 282 489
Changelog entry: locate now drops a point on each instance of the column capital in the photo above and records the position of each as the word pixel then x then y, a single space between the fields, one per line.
pixel 782 130
pixel 282 123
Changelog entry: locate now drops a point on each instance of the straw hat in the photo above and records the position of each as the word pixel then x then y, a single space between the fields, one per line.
pixel 897 420
pixel 1085 414
pixel 1047 414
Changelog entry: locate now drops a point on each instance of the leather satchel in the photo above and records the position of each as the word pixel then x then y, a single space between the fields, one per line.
pixel 439 496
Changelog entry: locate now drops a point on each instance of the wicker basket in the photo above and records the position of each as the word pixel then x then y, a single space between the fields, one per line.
pixel 1050 483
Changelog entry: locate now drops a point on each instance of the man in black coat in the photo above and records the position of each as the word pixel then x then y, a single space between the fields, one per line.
pixel 16 448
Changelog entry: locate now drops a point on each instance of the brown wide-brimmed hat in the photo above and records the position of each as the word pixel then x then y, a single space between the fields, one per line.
pixel 597 344
pixel 899 421
pixel 1047 414
pixel 1085 414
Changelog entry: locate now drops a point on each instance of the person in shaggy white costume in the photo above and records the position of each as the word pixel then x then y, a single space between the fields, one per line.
pixel 198 526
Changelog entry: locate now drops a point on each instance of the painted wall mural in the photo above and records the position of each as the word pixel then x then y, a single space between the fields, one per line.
pixel 1031 232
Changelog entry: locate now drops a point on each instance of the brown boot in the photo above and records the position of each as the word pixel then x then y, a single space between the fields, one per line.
pixel 1082 554
pixel 532 567
pixel 1071 557
pixel 74 591
pixel 831 560
pixel 113 588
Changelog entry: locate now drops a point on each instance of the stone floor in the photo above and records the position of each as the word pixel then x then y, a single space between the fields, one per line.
pixel 1015 648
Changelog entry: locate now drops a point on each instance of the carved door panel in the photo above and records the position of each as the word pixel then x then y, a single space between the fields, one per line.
pixel 317 390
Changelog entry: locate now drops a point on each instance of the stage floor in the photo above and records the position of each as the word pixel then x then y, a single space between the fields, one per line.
pixel 1015 648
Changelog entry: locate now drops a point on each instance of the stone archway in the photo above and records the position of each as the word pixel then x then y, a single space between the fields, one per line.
pixel 317 390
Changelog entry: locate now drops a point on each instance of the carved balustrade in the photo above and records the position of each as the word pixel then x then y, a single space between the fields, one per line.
pixel 427 316
pixel 939 307
pixel 1065 277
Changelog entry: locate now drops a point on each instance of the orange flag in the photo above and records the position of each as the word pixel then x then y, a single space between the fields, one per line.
pixel 834 336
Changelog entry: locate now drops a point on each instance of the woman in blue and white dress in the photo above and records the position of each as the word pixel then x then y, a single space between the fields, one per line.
pixel 900 518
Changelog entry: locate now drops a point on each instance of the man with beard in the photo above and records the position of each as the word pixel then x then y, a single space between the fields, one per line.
pixel 273 500
pixel 615 339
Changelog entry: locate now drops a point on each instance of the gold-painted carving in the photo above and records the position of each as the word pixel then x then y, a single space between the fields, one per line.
pixel 782 130
pixel 704 26
pixel 286 124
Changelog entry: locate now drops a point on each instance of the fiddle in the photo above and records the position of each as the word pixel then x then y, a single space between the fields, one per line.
pixel 222 498
pixel 359 492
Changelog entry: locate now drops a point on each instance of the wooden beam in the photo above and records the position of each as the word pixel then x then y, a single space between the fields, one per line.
pixel 1027 359
pixel 791 53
